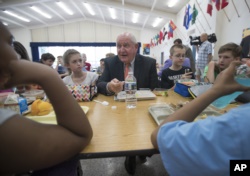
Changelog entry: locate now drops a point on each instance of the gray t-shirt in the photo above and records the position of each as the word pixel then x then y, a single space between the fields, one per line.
pixel 6 114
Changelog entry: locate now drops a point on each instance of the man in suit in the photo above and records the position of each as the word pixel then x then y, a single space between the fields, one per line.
pixel 144 68
pixel 112 79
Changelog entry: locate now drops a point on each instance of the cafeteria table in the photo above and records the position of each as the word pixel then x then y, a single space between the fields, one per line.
pixel 119 131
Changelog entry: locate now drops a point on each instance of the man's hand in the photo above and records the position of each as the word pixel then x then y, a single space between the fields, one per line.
pixel 115 85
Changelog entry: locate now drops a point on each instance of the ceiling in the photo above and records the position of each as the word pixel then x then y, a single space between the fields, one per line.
pixel 148 11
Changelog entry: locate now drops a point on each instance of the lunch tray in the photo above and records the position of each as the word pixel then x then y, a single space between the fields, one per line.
pixel 140 95
pixel 161 112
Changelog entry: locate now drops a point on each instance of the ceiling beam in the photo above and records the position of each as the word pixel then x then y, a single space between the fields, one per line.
pixel 123 13
pixel 145 22
pixel 53 11
pixel 133 8
pixel 16 3
pixel 29 15
pixel 11 21
pixel 153 6
pixel 79 10
pixel 100 11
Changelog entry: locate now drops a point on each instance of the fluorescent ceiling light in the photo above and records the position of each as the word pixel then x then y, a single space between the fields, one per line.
pixel 40 12
pixel 4 23
pixel 89 8
pixel 112 13
pixel 157 21
pixel 172 3
pixel 16 16
pixel 135 17
pixel 64 7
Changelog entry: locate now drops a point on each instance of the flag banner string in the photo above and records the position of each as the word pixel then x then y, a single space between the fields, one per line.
pixel 202 25
pixel 198 28
pixel 247 5
pixel 236 9
pixel 203 14
pixel 226 15
pixel 181 33
pixel 178 34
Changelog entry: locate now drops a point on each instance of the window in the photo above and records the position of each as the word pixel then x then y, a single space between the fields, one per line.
pixel 94 54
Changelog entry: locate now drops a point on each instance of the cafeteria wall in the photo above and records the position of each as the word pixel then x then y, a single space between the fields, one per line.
pixel 88 31
pixel 225 30
pixel 23 35
pixel 83 31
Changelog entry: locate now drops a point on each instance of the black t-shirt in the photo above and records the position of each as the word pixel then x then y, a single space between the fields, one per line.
pixel 169 76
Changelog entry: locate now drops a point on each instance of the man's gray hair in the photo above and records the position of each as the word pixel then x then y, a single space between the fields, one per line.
pixel 127 34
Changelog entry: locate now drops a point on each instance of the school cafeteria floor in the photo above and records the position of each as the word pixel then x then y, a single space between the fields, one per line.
pixel 115 167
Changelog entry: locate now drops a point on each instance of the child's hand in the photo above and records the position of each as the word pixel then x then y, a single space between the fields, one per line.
pixel 216 67
pixel 187 75
pixel 225 82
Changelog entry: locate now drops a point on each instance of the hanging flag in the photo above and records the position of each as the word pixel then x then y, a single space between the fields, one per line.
pixel 173 26
pixel 151 43
pixel 154 41
pixel 164 33
pixel 157 39
pixel 170 31
pixel 209 7
pixel 224 3
pixel 160 36
pixel 195 13
pixel 217 4
pixel 187 16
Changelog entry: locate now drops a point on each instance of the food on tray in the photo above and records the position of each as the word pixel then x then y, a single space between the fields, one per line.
pixel 40 107
pixel 177 105
pixel 203 116
pixel 36 94
pixel 189 83
pixel 160 92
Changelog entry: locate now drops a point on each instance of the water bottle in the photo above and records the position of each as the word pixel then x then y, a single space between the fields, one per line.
pixel 130 89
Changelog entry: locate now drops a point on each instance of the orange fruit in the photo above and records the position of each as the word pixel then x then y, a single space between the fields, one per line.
pixel 40 107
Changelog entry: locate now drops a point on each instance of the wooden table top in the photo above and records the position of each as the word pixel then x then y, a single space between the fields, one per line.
pixel 122 131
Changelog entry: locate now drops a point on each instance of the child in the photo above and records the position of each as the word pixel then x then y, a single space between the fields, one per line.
pixel 20 49
pixel 207 144
pixel 62 71
pixel 47 59
pixel 227 53
pixel 74 62
pixel 23 138
pixel 22 52
pixel 176 71
pixel 100 69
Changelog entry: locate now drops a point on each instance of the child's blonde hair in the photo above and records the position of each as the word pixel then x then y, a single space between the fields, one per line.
pixel 176 46
pixel 67 55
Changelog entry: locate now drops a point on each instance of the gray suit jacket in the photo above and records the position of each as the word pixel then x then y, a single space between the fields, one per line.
pixel 144 72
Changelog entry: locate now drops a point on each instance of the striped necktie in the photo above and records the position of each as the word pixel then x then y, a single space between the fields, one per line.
pixel 126 70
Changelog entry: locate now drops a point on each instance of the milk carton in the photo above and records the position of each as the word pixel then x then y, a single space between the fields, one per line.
pixel 16 103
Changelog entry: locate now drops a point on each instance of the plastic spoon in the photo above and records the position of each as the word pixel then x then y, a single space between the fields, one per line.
pixel 105 103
